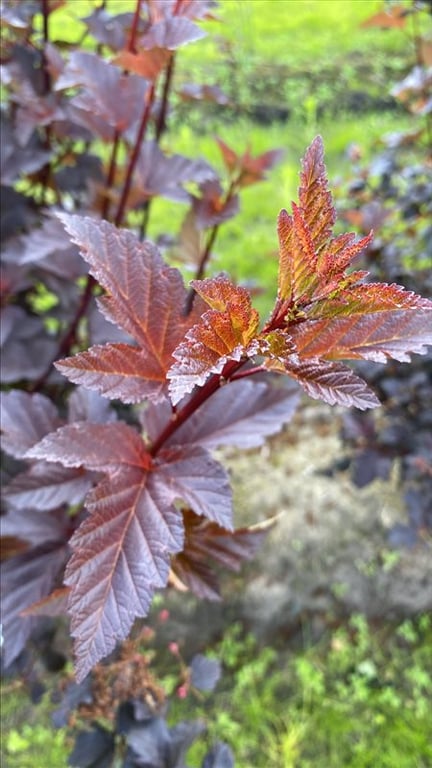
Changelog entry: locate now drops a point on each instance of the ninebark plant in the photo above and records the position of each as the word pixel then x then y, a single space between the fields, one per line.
pixel 114 503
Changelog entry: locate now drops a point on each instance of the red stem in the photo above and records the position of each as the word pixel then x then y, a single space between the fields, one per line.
pixel 149 98
pixel 111 174
pixel 134 27
pixel 207 251
pixel 203 393
pixel 161 121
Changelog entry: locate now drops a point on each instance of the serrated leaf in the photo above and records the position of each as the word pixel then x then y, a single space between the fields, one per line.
pixel 47 486
pixel 117 371
pixel 242 414
pixel 333 383
pixel 377 336
pixel 120 556
pixel 312 263
pixel 98 447
pixel 315 198
pixel 144 297
pixel 121 552
pixel 25 579
pixel 207 544
pixel 25 419
pixel 223 333
pixel 193 476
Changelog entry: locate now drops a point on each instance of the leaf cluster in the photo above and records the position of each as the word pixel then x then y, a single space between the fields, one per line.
pixel 106 504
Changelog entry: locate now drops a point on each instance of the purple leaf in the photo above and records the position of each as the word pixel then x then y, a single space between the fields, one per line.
pixel 121 554
pixel 99 447
pixel 25 579
pixel 47 486
pixel 241 414
pixel 193 476
pixel 333 383
pixel 25 420
pixel 205 672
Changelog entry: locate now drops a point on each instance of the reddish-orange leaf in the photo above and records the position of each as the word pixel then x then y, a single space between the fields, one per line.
pixel 148 64
pixel 377 336
pixel 393 16
pixel 314 197
pixel 223 333
pixel 118 371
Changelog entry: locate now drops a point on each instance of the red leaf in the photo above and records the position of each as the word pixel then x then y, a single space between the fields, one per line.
pixel 157 174
pixel 193 476
pixel 395 16
pixel 207 544
pixel 332 382
pixel 117 371
pixel 121 552
pixel 120 556
pixel 37 529
pixel 25 579
pixel 312 264
pixel 212 207
pixel 106 92
pixel 147 64
pixel 53 605
pixel 99 447
pixel 314 197
pixel 223 333
pixel 377 336
pixel 144 297
pixel 248 169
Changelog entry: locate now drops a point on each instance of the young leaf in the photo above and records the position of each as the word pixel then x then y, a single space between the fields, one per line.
pixel 247 169
pixel 225 332
pixel 331 382
pixel 392 333
pixel 315 199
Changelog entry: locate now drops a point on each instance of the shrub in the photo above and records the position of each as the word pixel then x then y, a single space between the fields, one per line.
pixel 107 504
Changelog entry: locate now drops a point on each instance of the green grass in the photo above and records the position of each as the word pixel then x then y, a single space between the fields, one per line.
pixel 28 739
pixel 359 698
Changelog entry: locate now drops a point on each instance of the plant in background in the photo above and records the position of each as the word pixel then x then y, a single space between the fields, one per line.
pixel 106 505
pixel 393 195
